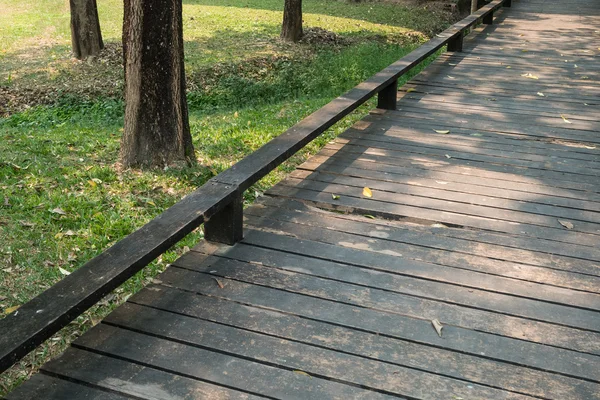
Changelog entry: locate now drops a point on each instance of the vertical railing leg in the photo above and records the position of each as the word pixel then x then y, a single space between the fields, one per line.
pixel 227 226
pixel 456 43
pixel 386 99
pixel 489 19
pixel 507 3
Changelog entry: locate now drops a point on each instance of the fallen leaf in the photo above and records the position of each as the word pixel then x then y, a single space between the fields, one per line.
pixel 508 67
pixel 219 283
pixel 6 202
pixel 444 132
pixel 58 210
pixel 64 271
pixel 27 224
pixel 410 90
pixel 156 281
pixel 48 263
pixel 447 156
pixel 69 233
pixel 92 183
pixel 585 77
pixel 235 114
pixel 335 197
pixel 10 310
pixel 566 224
pixel 437 326
pixel 565 119
pixel 530 76
pixel 540 94
pixel 301 373
pixel 476 134
pixel 369 216
pixel 367 192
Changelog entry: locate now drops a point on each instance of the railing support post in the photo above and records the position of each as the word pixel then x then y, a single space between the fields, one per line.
pixel 489 18
pixel 227 226
pixel 456 43
pixel 386 99
pixel 507 3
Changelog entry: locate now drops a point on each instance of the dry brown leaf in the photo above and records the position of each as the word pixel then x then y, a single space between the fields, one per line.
pixel 58 210
pixel 219 283
pixel 437 326
pixel 566 224
pixel 367 192
pixel 27 224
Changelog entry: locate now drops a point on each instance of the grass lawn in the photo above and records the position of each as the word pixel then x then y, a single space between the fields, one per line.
pixel 62 201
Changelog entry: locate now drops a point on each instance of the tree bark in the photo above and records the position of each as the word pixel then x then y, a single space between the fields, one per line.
pixel 157 130
pixel 291 29
pixel 86 38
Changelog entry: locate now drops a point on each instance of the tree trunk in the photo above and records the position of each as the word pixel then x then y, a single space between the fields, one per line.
pixel 157 130
pixel 86 37
pixel 291 29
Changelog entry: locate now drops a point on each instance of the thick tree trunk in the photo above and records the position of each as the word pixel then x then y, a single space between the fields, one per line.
pixel 86 37
pixel 157 130
pixel 291 29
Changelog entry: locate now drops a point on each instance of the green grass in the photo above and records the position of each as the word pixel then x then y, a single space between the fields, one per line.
pixel 245 87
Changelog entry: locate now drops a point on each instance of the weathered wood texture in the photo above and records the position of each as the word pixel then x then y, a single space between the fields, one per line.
pixel 493 229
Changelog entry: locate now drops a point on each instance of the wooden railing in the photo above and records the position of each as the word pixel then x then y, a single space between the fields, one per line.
pixel 217 204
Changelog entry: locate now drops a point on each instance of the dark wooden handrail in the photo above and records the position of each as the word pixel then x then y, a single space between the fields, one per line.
pixel 217 204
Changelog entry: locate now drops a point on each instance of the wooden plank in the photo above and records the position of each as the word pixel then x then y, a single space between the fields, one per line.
pixel 447 192
pixel 195 362
pixel 136 380
pixel 456 250
pixel 464 269
pixel 292 355
pixel 366 344
pixel 47 387
pixel 558 204
pixel 321 195
pixel 392 303
pixel 432 282
pixel 40 318
pixel 518 352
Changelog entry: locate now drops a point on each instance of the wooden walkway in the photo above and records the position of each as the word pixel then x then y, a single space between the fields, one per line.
pixel 493 229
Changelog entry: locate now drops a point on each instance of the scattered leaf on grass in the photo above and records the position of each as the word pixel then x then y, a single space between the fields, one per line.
pixel 64 271
pixel 437 326
pixel 27 224
pixel 540 94
pixel 219 283
pixel 69 233
pixel 565 119
pixel 10 310
pixel 6 202
pixel 335 197
pixel 58 210
pixel 369 216
pixel 444 132
pixel 530 76
pixel 301 372
pixel 92 183
pixel 367 192
pixel 566 224
pixel 235 114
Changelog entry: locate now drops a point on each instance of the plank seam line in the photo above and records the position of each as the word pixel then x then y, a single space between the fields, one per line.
pixel 87 384
pixel 257 361
pixel 323 346
pixel 378 310
pixel 386 335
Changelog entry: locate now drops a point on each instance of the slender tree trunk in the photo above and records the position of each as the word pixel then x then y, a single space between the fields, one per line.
pixel 291 29
pixel 157 130
pixel 86 37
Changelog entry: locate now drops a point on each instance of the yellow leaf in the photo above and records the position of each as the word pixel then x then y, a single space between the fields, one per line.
pixel 369 216
pixel 367 192
pixel 540 94
pixel 565 119
pixel 445 132
pixel 235 114
pixel 410 90
pixel 92 183
pixel 11 310
pixel 297 371
pixel 509 67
